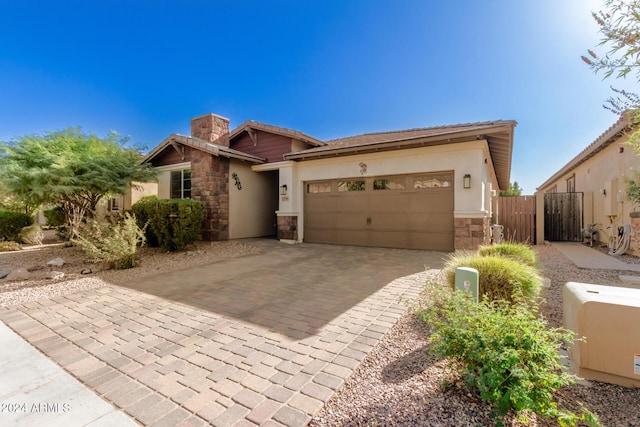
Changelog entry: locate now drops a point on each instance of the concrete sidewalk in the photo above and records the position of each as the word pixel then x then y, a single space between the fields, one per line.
pixel 586 257
pixel 34 391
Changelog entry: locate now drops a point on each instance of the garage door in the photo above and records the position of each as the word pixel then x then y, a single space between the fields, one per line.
pixel 407 211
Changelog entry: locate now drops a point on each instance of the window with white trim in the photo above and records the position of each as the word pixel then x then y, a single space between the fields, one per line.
pixel 181 184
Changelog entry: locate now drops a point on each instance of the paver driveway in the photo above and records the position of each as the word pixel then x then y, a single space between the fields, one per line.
pixel 262 339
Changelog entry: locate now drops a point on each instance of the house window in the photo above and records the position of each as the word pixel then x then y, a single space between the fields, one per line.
pixel 113 205
pixel 389 184
pixel 432 181
pixel 571 184
pixel 181 184
pixel 319 187
pixel 351 186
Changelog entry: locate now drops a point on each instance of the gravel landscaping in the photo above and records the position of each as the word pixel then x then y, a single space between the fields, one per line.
pixel 398 384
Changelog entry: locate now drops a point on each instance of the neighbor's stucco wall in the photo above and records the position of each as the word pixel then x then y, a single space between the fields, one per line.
pixel 252 209
pixel 462 158
pixel 137 191
pixel 602 179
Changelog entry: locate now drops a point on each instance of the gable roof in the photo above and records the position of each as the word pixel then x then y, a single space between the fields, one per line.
pixel 252 125
pixel 499 135
pixel 202 145
pixel 607 138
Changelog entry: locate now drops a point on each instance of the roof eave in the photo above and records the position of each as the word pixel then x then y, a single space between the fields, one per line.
pixel 202 145
pixel 607 138
pixel 289 133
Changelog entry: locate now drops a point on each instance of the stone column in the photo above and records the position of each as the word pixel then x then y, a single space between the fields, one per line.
pixel 470 233
pixel 210 185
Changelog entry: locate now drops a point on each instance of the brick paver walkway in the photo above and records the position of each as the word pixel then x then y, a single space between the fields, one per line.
pixel 259 340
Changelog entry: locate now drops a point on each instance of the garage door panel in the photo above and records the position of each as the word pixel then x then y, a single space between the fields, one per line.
pixel 316 235
pixel 432 241
pixel 385 201
pixel 389 221
pixel 319 203
pixel 351 237
pixel 356 221
pixel 390 239
pixel 438 222
pixel 350 202
pixel 432 201
pixel 316 219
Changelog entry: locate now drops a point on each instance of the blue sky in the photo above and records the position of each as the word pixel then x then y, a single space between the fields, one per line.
pixel 327 68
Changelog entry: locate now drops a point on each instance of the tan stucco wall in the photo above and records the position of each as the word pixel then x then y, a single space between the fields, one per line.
pixel 252 208
pixel 138 191
pixel 606 171
pixel 462 158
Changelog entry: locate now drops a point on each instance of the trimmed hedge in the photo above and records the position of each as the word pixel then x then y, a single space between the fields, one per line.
pixel 11 223
pixel 171 224
pixel 55 217
pixel 143 210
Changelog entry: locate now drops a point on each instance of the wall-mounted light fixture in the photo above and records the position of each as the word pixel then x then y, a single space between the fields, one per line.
pixel 466 181
pixel 603 191
pixel 283 190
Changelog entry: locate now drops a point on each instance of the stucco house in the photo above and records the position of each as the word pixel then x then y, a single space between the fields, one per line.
pixel 428 188
pixel 597 177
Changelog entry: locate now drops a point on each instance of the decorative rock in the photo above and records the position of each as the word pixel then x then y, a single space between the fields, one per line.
pixel 56 262
pixel 18 274
pixel 55 275
pixel 86 271
pixel 4 273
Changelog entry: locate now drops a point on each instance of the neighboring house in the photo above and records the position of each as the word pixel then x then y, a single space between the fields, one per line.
pixel 120 203
pixel 596 176
pixel 428 188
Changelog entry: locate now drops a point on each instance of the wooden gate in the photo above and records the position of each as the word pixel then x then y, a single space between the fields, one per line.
pixel 517 214
pixel 563 217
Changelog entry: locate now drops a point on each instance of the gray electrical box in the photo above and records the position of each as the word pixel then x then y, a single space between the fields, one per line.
pixel 467 280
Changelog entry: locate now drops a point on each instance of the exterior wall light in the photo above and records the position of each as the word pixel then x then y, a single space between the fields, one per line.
pixel 466 181
pixel 283 190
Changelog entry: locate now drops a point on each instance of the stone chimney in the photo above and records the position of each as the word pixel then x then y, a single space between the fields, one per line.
pixel 212 128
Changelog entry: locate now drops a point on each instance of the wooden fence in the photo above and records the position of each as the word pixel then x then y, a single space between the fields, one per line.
pixel 517 214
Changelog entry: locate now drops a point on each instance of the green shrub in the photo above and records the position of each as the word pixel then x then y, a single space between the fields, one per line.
pixel 172 223
pixel 143 209
pixel 55 217
pixel 32 235
pixel 10 246
pixel 11 223
pixel 112 243
pixel 516 251
pixel 500 278
pixel 505 351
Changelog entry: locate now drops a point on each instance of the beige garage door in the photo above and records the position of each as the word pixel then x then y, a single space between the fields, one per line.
pixel 407 211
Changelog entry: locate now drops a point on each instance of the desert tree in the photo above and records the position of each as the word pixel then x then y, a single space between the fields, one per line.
pixel 513 190
pixel 619 24
pixel 71 169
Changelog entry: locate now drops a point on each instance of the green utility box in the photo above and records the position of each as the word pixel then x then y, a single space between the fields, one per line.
pixel 467 280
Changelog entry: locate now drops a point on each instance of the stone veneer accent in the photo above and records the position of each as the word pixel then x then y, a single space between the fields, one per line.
pixel 211 128
pixel 471 232
pixel 210 185
pixel 288 228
